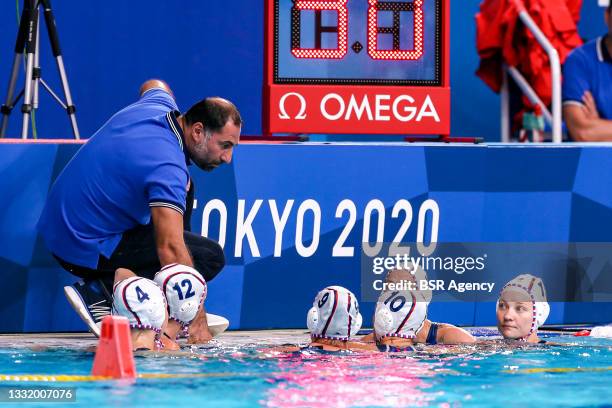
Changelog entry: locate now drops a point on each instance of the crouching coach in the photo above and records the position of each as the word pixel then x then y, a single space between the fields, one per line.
pixel 125 198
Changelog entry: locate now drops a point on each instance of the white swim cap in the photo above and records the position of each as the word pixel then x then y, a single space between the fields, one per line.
pixel 185 290
pixel 533 287
pixel 141 301
pixel 400 314
pixel 334 314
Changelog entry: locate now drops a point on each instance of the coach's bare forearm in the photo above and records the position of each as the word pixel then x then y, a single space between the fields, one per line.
pixel 591 130
pixel 174 253
pixel 169 239
pixel 585 129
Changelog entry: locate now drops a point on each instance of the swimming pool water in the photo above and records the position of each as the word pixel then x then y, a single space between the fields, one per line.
pixel 247 375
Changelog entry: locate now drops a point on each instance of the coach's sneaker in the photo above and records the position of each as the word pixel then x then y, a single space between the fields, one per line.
pixel 91 301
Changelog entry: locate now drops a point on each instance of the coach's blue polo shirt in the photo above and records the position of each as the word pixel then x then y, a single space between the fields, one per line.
pixel 589 68
pixel 136 160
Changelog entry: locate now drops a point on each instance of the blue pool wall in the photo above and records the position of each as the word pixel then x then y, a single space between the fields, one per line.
pixel 485 194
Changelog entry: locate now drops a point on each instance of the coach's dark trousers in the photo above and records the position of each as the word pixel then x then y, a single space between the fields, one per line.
pixel 137 251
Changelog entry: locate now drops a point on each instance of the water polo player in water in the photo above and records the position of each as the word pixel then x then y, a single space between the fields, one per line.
pixel 334 319
pixel 522 308
pixel 400 319
pixel 142 302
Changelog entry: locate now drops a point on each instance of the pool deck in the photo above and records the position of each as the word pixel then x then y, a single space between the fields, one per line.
pixel 228 338
pixel 85 340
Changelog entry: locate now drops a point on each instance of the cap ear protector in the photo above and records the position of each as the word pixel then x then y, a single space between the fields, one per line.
pixel 334 314
pixel 312 319
pixel 399 314
pixel 184 288
pixel 533 287
pixel 542 311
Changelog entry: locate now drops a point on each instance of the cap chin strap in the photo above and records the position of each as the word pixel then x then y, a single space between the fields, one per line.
pixel 184 331
pixel 157 331
pixel 145 327
pixel 319 336
pixel 533 322
pixel 405 336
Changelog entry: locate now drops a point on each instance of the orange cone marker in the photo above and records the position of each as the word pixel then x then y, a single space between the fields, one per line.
pixel 114 357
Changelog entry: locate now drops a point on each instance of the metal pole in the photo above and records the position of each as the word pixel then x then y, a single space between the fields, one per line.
pixel 26 108
pixel 8 105
pixel 555 65
pixel 529 92
pixel 57 53
pixel 505 108
pixel 70 108
pixel 36 73
pixel 19 50
pixel 28 44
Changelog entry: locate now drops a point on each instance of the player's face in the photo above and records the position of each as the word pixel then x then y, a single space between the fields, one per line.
pixel 214 148
pixel 514 318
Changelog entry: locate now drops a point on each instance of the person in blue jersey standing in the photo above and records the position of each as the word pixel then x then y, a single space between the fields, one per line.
pixel 587 88
pixel 125 198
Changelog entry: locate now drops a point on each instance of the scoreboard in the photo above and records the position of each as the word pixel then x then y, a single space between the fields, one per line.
pixel 357 66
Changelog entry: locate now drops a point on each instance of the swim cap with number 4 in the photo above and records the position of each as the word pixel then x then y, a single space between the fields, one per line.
pixel 185 290
pixel 141 301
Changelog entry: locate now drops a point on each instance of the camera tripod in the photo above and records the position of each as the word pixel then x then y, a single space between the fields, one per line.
pixel 28 44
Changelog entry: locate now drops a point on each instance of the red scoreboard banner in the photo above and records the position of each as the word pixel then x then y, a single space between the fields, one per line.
pixel 357 66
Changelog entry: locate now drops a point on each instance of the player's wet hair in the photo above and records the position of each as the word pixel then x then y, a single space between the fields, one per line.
pixel 213 113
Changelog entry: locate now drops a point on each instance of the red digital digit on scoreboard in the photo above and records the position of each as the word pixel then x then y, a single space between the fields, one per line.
pixel 357 66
